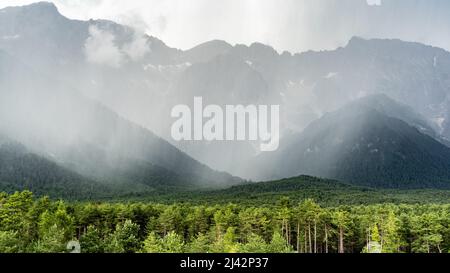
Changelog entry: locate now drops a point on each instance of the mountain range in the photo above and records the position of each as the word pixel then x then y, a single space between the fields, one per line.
pixel 365 143
pixel 60 125
pixel 91 100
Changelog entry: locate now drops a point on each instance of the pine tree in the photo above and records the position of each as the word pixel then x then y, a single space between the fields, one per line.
pixel 172 243
pixel 255 244
pixel 124 239
pixel 200 244
pixel 374 234
pixel 278 245
pixel 342 220
pixel 152 244
pixel 391 237
pixel 10 242
pixel 91 241
pixel 13 211
pixel 51 241
pixel 226 243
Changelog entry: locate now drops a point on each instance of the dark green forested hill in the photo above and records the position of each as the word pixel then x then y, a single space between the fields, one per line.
pixel 24 169
pixel 20 169
pixel 324 191
pixel 363 146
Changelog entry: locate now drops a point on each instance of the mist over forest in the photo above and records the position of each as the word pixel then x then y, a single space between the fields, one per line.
pixel 95 97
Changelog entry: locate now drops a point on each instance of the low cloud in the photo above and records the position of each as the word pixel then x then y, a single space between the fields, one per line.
pixel 101 48
pixel 137 48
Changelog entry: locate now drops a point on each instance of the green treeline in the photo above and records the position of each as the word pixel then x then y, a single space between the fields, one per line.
pixel 42 225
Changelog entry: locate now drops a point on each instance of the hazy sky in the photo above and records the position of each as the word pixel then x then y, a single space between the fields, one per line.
pixel 294 25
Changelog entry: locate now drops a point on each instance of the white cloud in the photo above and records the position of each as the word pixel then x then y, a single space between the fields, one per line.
pixel 100 48
pixel 137 48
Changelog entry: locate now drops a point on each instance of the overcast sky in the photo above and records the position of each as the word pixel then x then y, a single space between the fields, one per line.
pixel 294 25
